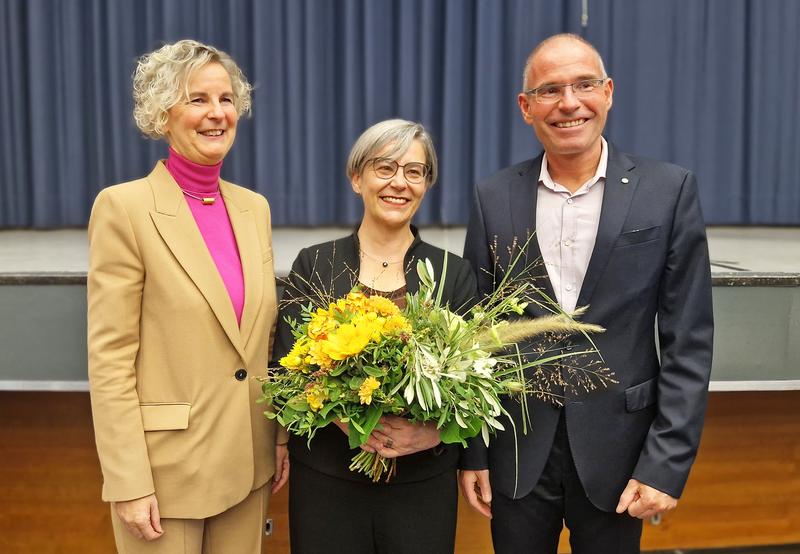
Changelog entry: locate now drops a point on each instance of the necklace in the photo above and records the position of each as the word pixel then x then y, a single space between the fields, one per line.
pixel 206 200
pixel 384 263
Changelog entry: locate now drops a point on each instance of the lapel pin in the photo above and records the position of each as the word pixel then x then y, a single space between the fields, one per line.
pixel 624 180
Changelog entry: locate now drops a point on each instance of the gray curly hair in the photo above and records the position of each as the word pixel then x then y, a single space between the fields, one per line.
pixel 161 79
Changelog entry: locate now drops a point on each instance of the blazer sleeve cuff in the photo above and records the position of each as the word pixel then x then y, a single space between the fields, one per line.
pixel 475 456
pixel 281 435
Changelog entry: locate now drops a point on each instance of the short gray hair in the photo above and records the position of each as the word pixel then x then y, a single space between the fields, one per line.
pixel 571 36
pixel 399 133
pixel 161 79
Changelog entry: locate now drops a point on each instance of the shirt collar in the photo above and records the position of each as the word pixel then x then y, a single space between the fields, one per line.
pixel 602 166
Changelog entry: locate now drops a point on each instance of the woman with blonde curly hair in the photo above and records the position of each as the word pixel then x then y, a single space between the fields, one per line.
pixel 181 307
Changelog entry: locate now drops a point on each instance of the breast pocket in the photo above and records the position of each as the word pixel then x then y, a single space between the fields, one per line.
pixel 638 236
pixel 165 416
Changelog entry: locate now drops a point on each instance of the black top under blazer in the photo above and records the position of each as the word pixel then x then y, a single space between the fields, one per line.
pixel 333 267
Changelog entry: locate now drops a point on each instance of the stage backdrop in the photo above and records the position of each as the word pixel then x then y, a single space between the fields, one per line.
pixel 711 85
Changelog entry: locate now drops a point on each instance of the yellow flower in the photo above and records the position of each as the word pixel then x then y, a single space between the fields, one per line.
pixel 366 389
pixel 356 301
pixel 348 340
pixel 316 397
pixel 372 321
pixel 383 306
pixel 346 304
pixel 396 324
pixel 317 354
pixel 295 359
pixel 321 324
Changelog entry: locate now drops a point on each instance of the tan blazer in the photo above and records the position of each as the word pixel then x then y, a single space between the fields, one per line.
pixel 170 414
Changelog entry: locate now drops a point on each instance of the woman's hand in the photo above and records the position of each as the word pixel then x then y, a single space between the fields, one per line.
pixel 399 437
pixel 141 517
pixel 281 475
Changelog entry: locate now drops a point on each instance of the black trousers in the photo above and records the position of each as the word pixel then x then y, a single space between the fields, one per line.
pixel 532 524
pixel 332 515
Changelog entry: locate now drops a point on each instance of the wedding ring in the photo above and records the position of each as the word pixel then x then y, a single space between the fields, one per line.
pixel 388 444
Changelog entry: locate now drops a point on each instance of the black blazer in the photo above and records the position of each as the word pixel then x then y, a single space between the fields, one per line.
pixel 333 267
pixel 650 263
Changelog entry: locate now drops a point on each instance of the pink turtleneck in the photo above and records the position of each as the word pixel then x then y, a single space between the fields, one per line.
pixel 213 222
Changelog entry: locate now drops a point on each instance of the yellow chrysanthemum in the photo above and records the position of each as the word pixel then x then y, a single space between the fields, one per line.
pixel 316 397
pixel 383 306
pixel 348 340
pixel 340 306
pixel 321 324
pixel 356 301
pixel 372 321
pixel 295 359
pixel 317 354
pixel 396 324
pixel 366 389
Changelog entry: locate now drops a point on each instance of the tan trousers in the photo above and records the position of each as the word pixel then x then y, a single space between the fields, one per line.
pixel 237 530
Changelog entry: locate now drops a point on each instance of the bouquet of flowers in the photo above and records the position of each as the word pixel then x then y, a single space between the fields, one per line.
pixel 357 358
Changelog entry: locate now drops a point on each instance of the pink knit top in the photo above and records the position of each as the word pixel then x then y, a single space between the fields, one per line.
pixel 213 222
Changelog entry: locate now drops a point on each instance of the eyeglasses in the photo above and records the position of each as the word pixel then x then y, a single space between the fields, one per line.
pixel 386 168
pixel 550 94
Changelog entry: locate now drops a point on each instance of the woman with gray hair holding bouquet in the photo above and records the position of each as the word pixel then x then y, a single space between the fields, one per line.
pixel 331 508
pixel 181 309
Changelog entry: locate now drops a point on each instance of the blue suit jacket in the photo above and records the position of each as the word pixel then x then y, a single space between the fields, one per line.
pixel 649 264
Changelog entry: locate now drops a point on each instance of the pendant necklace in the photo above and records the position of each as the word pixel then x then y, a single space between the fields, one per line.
pixel 206 200
pixel 384 263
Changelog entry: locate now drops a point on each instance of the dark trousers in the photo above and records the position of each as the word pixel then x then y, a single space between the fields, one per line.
pixel 332 515
pixel 533 523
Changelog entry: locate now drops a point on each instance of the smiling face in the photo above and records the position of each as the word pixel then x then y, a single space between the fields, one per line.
pixel 391 202
pixel 202 128
pixel 572 126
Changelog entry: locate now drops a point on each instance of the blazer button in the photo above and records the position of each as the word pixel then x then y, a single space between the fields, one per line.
pixel 240 374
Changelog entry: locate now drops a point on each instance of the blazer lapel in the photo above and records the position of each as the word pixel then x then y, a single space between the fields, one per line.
pixel 177 227
pixel 246 232
pixel 617 195
pixel 522 207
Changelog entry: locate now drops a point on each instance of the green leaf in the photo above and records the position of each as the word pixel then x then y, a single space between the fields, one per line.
pixel 298 403
pixel 327 408
pixel 442 419
pixel 441 280
pixel 338 370
pixel 373 371
pixel 374 414
pixel 451 433
pixel 474 425
pixel 354 437
pixel 356 424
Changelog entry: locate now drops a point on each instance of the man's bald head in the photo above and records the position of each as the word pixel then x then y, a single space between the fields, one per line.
pixel 550 41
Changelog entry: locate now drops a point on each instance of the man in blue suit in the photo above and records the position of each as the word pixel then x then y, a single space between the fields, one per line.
pixel 624 236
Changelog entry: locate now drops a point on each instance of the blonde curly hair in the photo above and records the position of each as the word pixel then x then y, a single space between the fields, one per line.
pixel 161 80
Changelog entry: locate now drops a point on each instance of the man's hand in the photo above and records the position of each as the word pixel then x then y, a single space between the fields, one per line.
pixel 141 517
pixel 644 501
pixel 399 437
pixel 281 467
pixel 476 489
